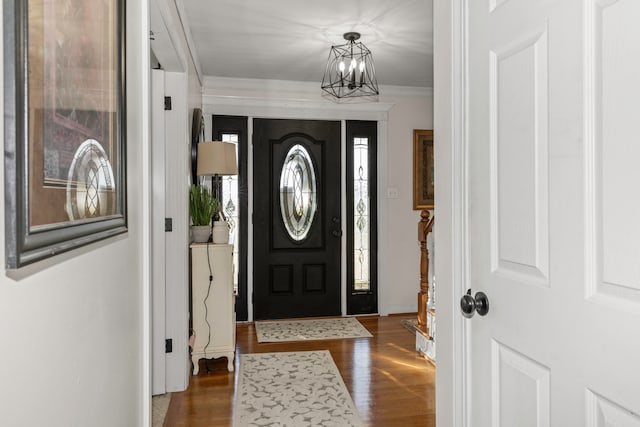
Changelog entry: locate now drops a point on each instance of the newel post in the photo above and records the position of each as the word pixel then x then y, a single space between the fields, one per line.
pixel 424 228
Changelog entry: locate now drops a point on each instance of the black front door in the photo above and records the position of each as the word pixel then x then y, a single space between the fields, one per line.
pixel 296 220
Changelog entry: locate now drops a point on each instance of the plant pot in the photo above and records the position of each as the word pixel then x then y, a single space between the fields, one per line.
pixel 220 232
pixel 200 233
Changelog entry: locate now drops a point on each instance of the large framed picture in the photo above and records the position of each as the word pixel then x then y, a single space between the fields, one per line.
pixel 423 173
pixel 64 88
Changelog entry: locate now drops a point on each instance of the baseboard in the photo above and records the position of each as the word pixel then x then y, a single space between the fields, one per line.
pixel 399 309
pixel 426 347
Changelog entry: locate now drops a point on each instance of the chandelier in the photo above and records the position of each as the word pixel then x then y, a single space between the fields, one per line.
pixel 350 72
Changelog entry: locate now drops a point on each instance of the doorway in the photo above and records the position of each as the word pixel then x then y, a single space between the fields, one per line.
pixel 297 218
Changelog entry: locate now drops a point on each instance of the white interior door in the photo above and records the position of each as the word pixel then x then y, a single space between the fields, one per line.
pixel 553 212
pixel 170 153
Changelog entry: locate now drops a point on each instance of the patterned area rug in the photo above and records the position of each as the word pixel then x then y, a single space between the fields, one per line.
pixel 292 389
pixel 315 329
pixel 159 405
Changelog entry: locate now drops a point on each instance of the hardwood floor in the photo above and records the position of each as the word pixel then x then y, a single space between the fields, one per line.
pixel 391 385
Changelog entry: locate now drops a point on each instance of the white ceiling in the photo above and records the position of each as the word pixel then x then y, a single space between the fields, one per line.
pixel 290 39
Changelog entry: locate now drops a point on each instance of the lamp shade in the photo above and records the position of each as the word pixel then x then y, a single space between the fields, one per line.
pixel 216 158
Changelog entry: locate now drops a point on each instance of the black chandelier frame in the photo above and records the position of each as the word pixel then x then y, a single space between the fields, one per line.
pixel 350 72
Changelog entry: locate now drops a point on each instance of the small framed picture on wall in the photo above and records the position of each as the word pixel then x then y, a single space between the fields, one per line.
pixel 423 173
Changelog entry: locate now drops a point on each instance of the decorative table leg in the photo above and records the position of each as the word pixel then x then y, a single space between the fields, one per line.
pixel 196 367
pixel 230 358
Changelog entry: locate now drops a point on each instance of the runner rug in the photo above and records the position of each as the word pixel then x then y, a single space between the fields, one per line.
pixel 292 389
pixel 314 329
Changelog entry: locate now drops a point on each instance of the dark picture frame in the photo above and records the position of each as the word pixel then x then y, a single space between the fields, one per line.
pixel 423 173
pixel 64 126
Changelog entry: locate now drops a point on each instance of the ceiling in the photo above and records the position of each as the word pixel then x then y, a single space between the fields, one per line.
pixel 290 39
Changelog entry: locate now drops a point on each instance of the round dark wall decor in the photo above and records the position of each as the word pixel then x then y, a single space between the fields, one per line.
pixel 197 134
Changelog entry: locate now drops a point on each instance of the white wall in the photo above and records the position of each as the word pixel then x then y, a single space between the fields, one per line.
pixel 409 113
pixel 408 109
pixel 73 328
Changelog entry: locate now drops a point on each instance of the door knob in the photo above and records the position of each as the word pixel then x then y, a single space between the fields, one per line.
pixel 336 233
pixel 469 304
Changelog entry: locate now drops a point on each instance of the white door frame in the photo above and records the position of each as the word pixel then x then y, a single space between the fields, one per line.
pixel 158 288
pixel 450 206
pixel 270 107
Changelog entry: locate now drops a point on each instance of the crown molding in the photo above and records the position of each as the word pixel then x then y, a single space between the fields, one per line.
pixel 294 108
pixel 290 86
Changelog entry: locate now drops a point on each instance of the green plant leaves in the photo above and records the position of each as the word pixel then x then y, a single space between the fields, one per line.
pixel 202 205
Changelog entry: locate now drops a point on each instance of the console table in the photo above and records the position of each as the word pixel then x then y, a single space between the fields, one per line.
pixel 212 301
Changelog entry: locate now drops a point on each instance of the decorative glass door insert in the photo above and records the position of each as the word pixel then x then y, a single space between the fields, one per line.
pixel 230 208
pixel 361 241
pixel 361 203
pixel 298 192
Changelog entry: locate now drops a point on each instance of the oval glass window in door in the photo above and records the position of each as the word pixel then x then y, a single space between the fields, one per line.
pixel 298 192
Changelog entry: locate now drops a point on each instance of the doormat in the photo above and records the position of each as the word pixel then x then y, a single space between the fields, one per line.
pixel 308 330
pixel 292 389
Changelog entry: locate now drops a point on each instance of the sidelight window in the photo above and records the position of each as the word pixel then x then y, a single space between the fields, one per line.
pixel 362 241
pixel 361 218
pixel 234 194
pixel 230 207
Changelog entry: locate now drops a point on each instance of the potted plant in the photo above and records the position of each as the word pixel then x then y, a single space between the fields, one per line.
pixel 202 207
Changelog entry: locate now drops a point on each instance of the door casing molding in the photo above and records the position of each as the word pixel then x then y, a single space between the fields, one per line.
pixel 450 230
pixel 294 108
pixel 302 109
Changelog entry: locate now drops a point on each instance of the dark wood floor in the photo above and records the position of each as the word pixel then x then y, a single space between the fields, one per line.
pixel 391 385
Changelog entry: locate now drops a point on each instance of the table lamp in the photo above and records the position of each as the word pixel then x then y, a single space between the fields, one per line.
pixel 215 159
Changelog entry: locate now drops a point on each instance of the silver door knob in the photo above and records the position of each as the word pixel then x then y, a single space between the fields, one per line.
pixel 469 304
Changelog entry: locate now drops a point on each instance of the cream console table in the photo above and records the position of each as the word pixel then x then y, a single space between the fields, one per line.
pixel 212 301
